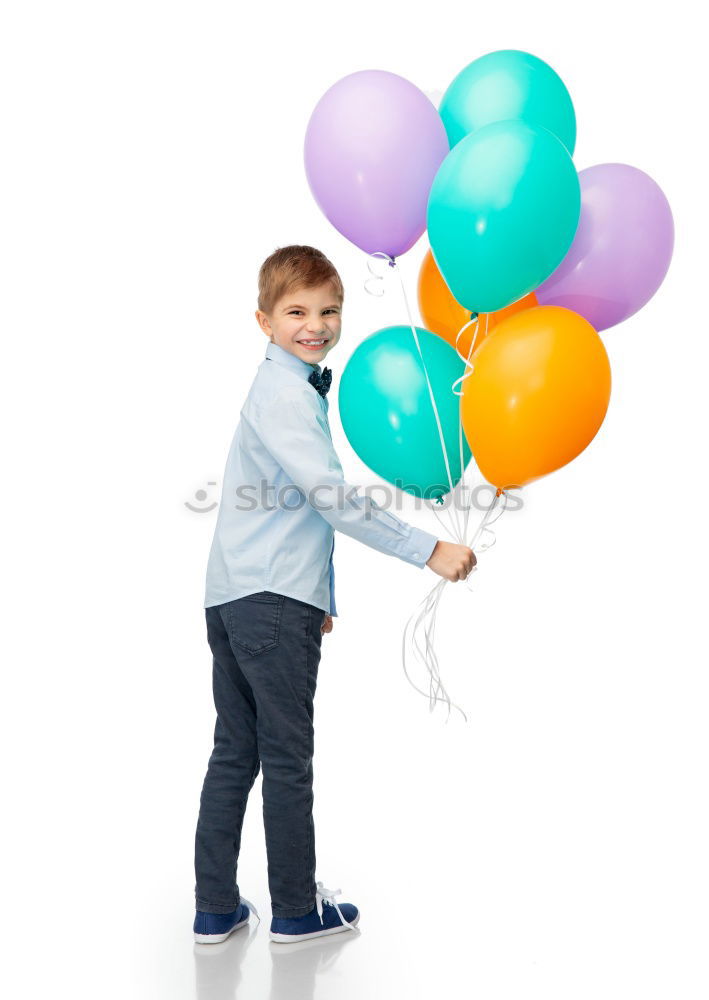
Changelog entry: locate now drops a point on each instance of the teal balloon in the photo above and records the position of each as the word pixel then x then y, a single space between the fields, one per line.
pixel 508 84
pixel 387 414
pixel 503 210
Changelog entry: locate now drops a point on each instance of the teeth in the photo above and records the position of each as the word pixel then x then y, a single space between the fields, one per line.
pixel 312 341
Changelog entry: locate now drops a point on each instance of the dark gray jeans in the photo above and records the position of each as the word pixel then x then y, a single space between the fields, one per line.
pixel 266 651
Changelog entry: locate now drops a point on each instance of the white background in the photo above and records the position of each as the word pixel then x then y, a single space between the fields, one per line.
pixel 552 847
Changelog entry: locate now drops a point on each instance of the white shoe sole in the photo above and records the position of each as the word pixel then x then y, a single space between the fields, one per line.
pixel 287 938
pixel 218 938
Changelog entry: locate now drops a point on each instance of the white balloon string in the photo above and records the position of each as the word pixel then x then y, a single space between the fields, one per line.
pixel 463 484
pixel 420 628
pixel 474 319
pixel 379 279
pixel 423 619
pixel 418 622
pixel 371 285
pixel 458 530
pixel 469 368
pixel 484 537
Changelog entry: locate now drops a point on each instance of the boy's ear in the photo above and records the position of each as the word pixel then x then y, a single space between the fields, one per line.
pixel 262 320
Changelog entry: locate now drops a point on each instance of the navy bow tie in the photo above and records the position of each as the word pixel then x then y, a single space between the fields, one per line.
pixel 321 380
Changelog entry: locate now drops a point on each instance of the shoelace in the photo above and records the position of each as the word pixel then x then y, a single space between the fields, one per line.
pixel 328 896
pixel 251 906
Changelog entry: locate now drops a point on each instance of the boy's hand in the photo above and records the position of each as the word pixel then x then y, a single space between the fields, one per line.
pixel 452 561
pixel 326 625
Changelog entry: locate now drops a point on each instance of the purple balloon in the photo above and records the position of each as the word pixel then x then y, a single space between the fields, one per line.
pixel 621 251
pixel 372 148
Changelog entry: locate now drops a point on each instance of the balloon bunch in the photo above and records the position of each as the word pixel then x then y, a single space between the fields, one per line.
pixel 529 259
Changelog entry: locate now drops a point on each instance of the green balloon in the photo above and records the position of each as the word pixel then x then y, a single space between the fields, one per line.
pixel 387 414
pixel 508 84
pixel 502 213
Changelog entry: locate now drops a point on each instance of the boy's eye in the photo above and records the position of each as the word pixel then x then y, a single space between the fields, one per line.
pixel 296 312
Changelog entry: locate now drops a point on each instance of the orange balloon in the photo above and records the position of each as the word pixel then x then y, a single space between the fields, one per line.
pixel 441 313
pixel 537 395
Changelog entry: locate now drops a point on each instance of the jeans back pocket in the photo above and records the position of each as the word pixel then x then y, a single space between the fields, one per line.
pixel 255 621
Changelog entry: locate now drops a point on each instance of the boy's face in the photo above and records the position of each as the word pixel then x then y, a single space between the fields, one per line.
pixel 302 316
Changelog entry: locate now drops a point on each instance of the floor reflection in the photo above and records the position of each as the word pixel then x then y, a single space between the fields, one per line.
pixel 294 967
pixel 218 966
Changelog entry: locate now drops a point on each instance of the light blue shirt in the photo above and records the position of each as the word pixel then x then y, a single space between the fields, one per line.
pixel 284 496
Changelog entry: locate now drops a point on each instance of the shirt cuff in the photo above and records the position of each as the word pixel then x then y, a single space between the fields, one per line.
pixel 419 546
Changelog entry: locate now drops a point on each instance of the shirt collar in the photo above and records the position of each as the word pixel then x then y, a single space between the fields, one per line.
pixel 288 360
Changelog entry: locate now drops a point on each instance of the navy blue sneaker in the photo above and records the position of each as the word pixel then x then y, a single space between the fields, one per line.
pixel 326 917
pixel 212 928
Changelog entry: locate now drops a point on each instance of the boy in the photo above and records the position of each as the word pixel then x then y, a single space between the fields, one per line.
pixel 269 599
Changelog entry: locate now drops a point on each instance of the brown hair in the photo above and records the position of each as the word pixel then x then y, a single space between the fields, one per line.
pixel 294 267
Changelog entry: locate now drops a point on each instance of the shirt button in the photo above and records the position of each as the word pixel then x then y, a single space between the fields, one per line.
pixel 416 555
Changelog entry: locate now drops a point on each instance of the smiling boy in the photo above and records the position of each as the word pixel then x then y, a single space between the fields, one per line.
pixel 270 596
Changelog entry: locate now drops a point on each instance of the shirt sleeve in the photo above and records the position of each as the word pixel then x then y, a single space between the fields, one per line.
pixel 294 429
